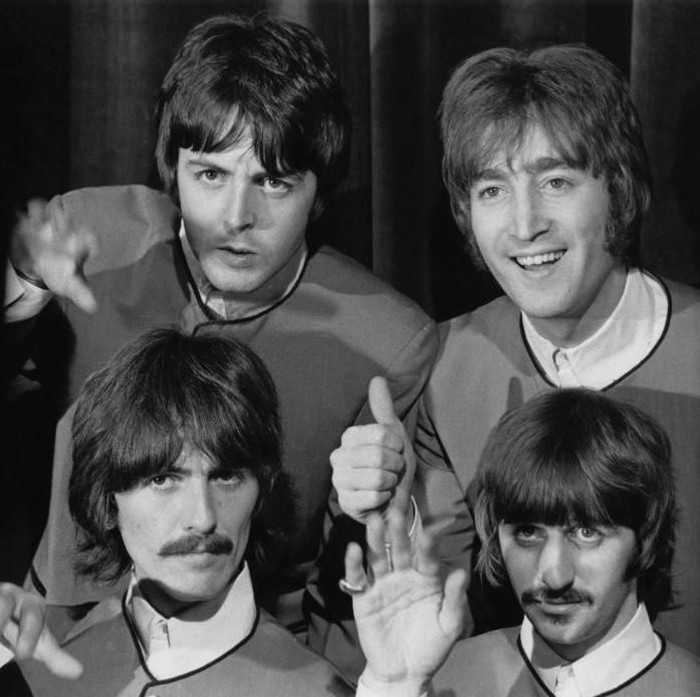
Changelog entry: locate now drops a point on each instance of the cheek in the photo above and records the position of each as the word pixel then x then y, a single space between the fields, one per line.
pixel 520 566
pixel 139 530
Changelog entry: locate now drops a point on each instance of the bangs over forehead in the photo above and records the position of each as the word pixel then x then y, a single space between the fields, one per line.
pixel 236 76
pixel 500 141
pixel 555 490
pixel 170 392
pixel 215 124
pixel 573 455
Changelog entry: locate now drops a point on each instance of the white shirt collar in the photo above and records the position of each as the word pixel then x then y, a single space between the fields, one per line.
pixel 192 639
pixel 610 665
pixel 624 340
pixel 216 300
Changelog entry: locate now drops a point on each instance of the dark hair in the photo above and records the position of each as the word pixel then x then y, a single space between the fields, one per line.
pixel 270 76
pixel 583 104
pixel 577 455
pixel 163 392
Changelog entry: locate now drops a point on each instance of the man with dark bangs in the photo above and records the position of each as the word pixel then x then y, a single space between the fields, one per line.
pixel 253 137
pixel 575 509
pixel 549 183
pixel 177 483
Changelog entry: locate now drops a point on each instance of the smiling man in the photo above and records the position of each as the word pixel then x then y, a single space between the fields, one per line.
pixel 176 482
pixel 253 138
pixel 549 183
pixel 575 509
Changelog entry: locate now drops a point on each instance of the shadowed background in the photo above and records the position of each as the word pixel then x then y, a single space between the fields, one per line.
pixel 79 78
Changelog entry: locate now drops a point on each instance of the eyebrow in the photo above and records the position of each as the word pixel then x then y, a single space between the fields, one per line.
pixel 197 162
pixel 541 164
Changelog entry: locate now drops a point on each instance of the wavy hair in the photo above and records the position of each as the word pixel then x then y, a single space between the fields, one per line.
pixel 160 394
pixel 271 77
pixel 581 101
pixel 577 455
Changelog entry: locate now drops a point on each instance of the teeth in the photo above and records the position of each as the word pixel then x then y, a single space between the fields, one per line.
pixel 539 259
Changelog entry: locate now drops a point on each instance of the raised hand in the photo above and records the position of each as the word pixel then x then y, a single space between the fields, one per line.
pixel 47 253
pixel 408 617
pixel 23 631
pixel 374 465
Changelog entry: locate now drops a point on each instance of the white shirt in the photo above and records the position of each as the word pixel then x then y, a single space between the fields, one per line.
pixel 196 636
pixel 605 668
pixel 624 340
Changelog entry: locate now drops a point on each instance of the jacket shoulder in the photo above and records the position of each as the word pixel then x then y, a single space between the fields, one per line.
pixel 343 276
pixel 302 671
pixel 677 672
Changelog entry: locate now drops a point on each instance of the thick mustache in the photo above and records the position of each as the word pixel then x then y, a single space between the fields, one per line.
pixel 210 544
pixel 540 595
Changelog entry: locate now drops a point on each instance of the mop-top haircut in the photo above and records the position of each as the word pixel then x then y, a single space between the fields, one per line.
pixel 163 393
pixel 577 456
pixel 272 78
pixel 582 102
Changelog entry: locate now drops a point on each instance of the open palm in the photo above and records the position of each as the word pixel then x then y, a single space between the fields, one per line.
pixel 408 617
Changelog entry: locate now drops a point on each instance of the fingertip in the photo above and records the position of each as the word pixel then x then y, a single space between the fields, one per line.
pixel 82 296
pixel 380 401
pixel 66 666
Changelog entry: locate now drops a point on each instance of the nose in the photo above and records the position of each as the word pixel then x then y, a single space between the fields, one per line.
pixel 201 510
pixel 240 208
pixel 556 564
pixel 528 215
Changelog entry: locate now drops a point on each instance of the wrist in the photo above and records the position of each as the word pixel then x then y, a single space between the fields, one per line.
pixel 30 277
pixel 380 686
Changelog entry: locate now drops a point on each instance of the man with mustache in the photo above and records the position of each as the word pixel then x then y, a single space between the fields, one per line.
pixel 253 139
pixel 575 511
pixel 177 482
pixel 549 183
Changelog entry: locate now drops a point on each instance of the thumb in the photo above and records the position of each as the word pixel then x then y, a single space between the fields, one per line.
pixel 380 402
pixel 454 603
pixel 382 408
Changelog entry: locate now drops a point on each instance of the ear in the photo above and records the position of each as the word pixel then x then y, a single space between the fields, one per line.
pixel 112 518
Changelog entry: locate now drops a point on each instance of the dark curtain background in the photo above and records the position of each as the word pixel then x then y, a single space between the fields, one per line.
pixel 78 80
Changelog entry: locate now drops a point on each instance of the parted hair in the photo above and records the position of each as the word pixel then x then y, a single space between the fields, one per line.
pixel 233 73
pixel 162 393
pixel 577 455
pixel 581 101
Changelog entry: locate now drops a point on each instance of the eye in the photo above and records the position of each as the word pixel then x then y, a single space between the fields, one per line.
pixel 161 481
pixel 526 534
pixel 558 183
pixel 275 185
pixel 488 192
pixel 209 176
pixel 587 533
pixel 230 478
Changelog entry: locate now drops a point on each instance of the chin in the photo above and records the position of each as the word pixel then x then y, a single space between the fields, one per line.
pixel 230 281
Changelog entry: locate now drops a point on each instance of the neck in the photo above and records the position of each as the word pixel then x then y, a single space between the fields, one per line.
pixel 573 330
pixel 167 605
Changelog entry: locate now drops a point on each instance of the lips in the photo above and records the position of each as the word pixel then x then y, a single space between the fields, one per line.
pixel 535 261
pixel 236 252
